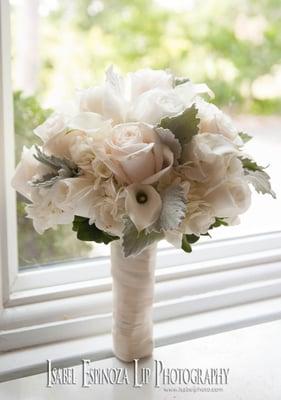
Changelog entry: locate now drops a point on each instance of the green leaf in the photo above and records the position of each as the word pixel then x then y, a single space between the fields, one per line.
pixel 218 222
pixel 173 211
pixel 185 244
pixel 192 238
pixel 245 137
pixel 187 240
pixel 250 165
pixel 134 242
pixel 184 126
pixel 260 181
pixel 90 233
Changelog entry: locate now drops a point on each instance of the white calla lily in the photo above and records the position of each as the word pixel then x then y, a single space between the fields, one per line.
pixel 143 205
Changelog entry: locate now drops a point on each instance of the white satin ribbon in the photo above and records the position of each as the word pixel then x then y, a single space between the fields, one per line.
pixel 133 291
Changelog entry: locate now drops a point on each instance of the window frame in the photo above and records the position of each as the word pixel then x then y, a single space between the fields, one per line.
pixel 39 306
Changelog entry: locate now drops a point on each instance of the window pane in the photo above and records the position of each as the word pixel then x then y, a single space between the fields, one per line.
pixel 60 46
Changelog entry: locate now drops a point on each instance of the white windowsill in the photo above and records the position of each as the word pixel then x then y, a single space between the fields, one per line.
pixel 32 360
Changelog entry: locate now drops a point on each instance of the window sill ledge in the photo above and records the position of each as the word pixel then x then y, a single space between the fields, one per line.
pixel 31 361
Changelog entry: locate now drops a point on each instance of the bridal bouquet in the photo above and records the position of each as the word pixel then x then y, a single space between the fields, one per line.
pixel 143 158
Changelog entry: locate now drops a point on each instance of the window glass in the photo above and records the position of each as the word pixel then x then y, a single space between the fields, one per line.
pixel 59 46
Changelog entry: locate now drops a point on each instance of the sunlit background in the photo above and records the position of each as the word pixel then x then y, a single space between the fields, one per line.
pixel 59 46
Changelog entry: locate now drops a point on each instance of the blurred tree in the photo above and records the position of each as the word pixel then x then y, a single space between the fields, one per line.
pixel 228 45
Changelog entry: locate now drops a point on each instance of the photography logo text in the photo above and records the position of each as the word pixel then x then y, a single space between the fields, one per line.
pixel 177 379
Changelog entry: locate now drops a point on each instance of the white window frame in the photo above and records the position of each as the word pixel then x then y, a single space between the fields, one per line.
pixel 45 306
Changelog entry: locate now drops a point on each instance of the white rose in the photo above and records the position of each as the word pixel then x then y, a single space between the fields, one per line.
pixel 134 153
pixel 61 144
pixel 230 199
pixel 82 153
pixel 189 91
pixel 146 79
pixel 207 147
pixel 211 158
pixel 112 99
pixel 104 100
pixel 200 216
pixel 52 126
pixel 213 120
pixel 154 105
pixel 91 123
pixel 27 169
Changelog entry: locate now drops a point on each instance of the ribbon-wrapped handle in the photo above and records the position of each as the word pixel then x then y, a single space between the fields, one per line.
pixel 133 292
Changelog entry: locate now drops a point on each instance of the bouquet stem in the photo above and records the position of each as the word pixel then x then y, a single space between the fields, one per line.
pixel 133 292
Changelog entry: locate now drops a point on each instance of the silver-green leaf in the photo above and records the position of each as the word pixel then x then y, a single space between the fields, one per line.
pixel 60 168
pixel 168 138
pixel 46 180
pixel 180 80
pixel 260 180
pixel 173 211
pixel 184 125
pixel 134 242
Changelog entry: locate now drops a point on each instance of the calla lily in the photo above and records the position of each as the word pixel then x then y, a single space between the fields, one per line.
pixel 143 205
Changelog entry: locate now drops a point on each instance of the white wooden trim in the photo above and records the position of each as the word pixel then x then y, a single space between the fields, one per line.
pixel 162 275
pixel 80 277
pixel 179 291
pixel 8 225
pixel 32 361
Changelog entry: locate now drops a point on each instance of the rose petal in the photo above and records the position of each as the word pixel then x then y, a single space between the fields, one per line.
pixel 89 122
pixel 168 157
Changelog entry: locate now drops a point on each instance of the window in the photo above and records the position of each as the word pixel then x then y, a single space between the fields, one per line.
pixel 59 46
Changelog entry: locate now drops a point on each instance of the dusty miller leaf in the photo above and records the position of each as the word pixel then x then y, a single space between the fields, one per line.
pixel 134 242
pixel 62 168
pixel 184 125
pixel 180 80
pixel 173 211
pixel 56 163
pixel 168 138
pixel 260 181
pixel 46 180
